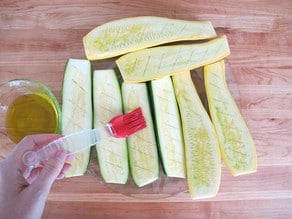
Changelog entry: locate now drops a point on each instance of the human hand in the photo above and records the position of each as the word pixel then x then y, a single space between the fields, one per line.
pixel 25 197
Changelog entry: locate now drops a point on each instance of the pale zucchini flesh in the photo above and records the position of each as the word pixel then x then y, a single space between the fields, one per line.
pixel 203 162
pixel 168 126
pixel 154 63
pixel 130 34
pixel 77 107
pixel 112 153
pixel 237 146
pixel 142 146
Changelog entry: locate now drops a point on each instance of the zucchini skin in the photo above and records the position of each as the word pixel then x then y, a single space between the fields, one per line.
pixel 76 115
pixel 112 153
pixel 167 124
pixel 142 146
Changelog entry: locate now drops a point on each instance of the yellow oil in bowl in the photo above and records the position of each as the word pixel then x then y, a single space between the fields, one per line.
pixel 28 107
pixel 30 114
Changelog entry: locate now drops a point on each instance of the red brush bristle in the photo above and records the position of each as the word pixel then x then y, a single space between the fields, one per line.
pixel 128 124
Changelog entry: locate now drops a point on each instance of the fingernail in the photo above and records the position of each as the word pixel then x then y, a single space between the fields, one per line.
pixel 61 176
pixel 61 156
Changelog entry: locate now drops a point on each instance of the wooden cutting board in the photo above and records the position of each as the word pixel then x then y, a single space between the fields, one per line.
pixel 37 37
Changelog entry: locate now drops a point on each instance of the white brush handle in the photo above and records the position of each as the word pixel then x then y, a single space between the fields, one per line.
pixel 71 143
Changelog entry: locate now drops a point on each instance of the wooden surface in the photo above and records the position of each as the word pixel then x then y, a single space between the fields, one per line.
pixel 36 38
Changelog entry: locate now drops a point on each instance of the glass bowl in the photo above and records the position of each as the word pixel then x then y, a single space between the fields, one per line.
pixel 26 107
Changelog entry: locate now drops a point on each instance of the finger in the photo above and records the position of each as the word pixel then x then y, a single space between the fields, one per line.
pixel 32 142
pixel 61 176
pixel 50 172
pixel 66 168
pixel 70 157
pixel 30 176
pixel 33 175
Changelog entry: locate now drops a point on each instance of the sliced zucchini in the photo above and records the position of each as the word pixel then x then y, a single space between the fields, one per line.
pixel 203 162
pixel 129 34
pixel 77 107
pixel 168 126
pixel 112 153
pixel 154 63
pixel 142 147
pixel 236 143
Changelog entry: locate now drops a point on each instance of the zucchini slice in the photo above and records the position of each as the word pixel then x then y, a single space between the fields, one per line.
pixel 154 63
pixel 142 147
pixel 129 34
pixel 77 107
pixel 236 143
pixel 202 151
pixel 112 153
pixel 168 126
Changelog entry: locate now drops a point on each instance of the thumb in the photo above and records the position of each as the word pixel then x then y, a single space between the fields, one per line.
pixel 51 170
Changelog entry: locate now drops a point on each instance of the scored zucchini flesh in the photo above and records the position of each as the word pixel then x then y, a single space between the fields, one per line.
pixel 129 34
pixel 202 152
pixel 142 146
pixel 168 126
pixel 154 63
pixel 111 152
pixel 236 143
pixel 77 108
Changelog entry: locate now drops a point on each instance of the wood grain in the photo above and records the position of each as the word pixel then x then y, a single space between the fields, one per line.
pixel 37 37
pixel 200 210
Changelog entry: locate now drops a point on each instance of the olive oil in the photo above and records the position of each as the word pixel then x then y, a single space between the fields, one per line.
pixel 31 114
